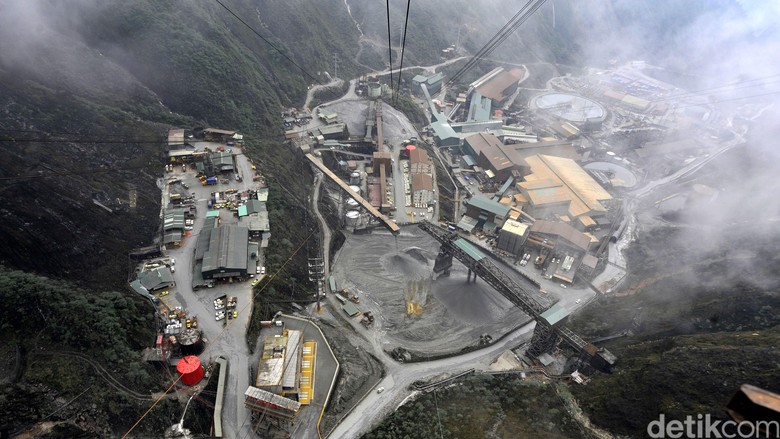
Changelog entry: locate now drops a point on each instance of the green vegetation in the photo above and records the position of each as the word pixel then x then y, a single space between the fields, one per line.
pixel 328 94
pixel 58 331
pixel 410 109
pixel 483 407
pixel 679 376
pixel 704 322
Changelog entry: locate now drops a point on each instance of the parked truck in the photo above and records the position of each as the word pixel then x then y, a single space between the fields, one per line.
pixel 211 181
pixel 346 294
pixel 231 303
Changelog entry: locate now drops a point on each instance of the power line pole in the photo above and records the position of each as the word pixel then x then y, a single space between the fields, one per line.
pixel 316 275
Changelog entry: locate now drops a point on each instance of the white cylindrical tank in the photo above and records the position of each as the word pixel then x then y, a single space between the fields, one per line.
pixel 352 202
pixel 354 178
pixel 374 90
pixel 356 189
pixel 352 217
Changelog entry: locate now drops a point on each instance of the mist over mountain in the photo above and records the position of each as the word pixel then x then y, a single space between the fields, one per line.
pixel 89 88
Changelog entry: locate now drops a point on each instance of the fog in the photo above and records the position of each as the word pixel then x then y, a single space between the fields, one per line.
pixel 696 44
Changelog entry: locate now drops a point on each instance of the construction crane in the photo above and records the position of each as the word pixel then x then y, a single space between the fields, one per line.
pixel 550 320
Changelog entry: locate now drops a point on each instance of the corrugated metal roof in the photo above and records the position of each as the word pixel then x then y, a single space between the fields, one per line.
pixel 227 248
pixel 272 398
pixel 336 128
pixel 212 214
pixel 489 146
pixel 350 309
pixel 292 353
pixel 419 155
pixel 555 314
pixel 467 223
pixel 469 160
pixel 479 108
pixel 242 211
pixel 494 87
pixel 443 130
pixel 421 182
pixel 154 279
pixel 575 184
pixel 469 248
pixel 514 227
pixel 565 231
pixel 486 204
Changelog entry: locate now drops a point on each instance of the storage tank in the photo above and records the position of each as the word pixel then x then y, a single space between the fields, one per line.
pixel 190 370
pixel 352 217
pixel 190 342
pixel 409 149
pixel 374 90
pixel 343 165
pixel 355 188
pixel 352 202
pixel 354 178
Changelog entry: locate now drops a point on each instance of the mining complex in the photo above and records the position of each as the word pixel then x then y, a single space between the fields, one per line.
pixel 506 211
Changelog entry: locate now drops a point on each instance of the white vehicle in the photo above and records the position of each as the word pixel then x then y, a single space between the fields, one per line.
pixel 262 270
pixel 173 261
pixel 173 269
pixel 380 390
pixel 258 270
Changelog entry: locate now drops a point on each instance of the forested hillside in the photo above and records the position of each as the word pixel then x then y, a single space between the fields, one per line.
pixel 60 341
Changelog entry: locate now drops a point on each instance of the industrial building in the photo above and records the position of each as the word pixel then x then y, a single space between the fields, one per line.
pixel 559 187
pixel 518 153
pixel 336 131
pixel 271 404
pixel 499 84
pixel 173 226
pixel 222 161
pixel 419 161
pixel 486 149
pixel 483 212
pixel 422 190
pixel 512 236
pixel 479 108
pixel 570 245
pixel 219 135
pixel 279 368
pixel 421 179
pixel 259 225
pixel 175 138
pixel 156 279
pixel 432 82
pixel 227 252
pixel 443 134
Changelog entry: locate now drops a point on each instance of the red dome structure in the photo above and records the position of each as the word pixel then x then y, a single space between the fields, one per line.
pixel 410 148
pixel 190 369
